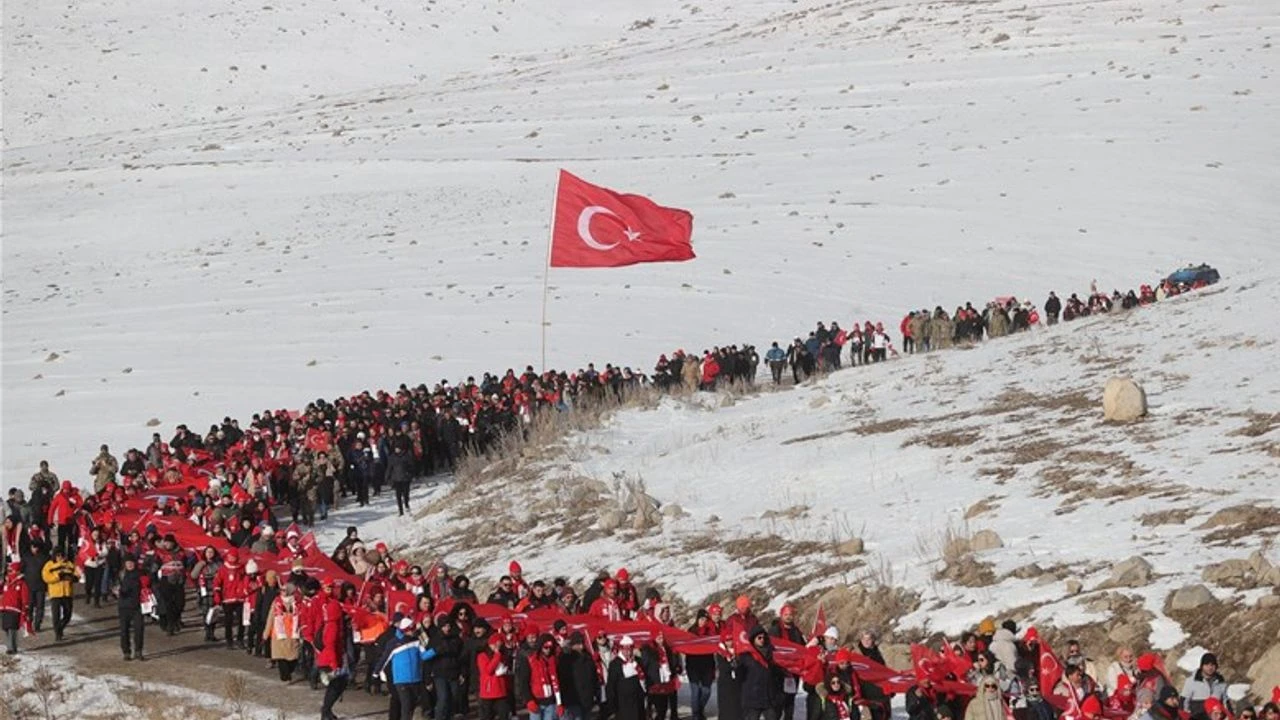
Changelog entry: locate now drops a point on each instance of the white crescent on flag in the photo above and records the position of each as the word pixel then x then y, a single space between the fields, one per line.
pixel 584 227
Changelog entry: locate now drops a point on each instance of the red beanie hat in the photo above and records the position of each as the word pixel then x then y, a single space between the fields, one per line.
pixel 623 575
pixel 514 568
pixel 1091 707
pixel 1146 662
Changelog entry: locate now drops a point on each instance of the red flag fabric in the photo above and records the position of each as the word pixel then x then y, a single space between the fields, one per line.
pixel 958 663
pixel 317 440
pixel 819 622
pixel 596 227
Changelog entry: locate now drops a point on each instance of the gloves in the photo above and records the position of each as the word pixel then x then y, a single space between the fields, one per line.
pixel 531 706
pixel 318 642
pixel 559 711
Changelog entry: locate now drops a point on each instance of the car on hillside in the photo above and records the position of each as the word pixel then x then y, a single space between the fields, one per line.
pixel 1201 274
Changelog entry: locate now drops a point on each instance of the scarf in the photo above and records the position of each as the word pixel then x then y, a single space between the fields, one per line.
pixel 841 703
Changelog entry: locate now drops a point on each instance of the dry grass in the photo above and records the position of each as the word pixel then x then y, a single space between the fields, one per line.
pixel 542 438
pixel 1259 424
pixel 945 439
pixel 1016 399
pixel 885 426
pixel 1240 634
pixel 983 506
pixel 1172 516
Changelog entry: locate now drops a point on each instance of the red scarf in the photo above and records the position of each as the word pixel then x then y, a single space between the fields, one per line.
pixel 842 704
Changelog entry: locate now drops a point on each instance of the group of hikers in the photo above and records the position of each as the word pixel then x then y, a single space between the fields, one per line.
pixel 426 640
pixel 924 330
pixel 199 516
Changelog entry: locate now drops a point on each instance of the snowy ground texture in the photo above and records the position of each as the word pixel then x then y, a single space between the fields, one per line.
pixel 216 210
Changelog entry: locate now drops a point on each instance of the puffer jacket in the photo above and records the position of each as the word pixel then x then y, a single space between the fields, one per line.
pixel 1199 688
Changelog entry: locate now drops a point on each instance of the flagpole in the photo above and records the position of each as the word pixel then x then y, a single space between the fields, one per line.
pixel 546 270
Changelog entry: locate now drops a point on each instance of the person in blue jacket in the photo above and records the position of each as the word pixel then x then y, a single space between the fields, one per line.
pixel 777 359
pixel 401 668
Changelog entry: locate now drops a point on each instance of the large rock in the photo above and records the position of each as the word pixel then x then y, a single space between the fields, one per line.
pixel 1134 572
pixel 673 510
pixel 1190 597
pixel 985 540
pixel 1265 672
pixel 1123 400
pixel 852 546
pixel 1074 586
pixel 610 519
pixel 1234 572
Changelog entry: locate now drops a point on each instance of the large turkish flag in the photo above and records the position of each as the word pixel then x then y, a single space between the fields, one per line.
pixel 595 227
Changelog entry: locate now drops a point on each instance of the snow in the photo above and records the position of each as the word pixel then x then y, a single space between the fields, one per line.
pixel 108 696
pixel 248 206
pixel 382 211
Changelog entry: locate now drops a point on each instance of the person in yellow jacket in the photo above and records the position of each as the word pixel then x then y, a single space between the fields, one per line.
pixel 60 575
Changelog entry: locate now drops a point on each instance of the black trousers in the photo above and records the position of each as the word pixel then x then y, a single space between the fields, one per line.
pixel 404 701
pixel 337 686
pixel 131 629
pixel 499 709
pixel 402 496
pixel 758 714
pixel 233 618
pixel 61 615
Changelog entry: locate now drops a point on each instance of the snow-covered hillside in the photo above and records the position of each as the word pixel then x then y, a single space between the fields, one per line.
pixel 913 456
pixel 218 210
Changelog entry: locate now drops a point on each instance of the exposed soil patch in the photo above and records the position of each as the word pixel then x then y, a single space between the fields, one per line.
pixel 1258 424
pixel 1240 634
pixel 944 439
pixel 1241 521
pixel 1172 516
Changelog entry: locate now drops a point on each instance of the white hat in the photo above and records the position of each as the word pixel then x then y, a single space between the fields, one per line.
pixel 626 641
pixel 832 632
pixel 405 624
pixel 251 567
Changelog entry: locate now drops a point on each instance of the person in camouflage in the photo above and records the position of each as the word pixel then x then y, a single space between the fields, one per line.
pixel 103 469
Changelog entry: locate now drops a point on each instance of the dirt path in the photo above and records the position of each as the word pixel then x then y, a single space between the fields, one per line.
pixel 185 660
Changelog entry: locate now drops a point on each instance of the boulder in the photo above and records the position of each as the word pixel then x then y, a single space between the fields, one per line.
pixel 1190 597
pixel 1235 572
pixel 1269 601
pixel 1074 586
pixel 985 540
pixel 672 510
pixel 1265 672
pixel 610 519
pixel 1134 572
pixel 1123 633
pixel 1123 400
pixel 1259 562
pixel 852 546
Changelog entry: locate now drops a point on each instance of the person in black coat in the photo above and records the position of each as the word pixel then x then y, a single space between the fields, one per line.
pixel 922 704
pixel 129 608
pixel 579 686
pixel 784 627
pixel 32 567
pixel 624 688
pixel 446 667
pixel 700 669
pixel 759 678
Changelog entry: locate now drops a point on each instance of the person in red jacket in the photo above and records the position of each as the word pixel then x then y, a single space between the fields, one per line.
pixel 15 601
pixel 230 590
pixel 327 634
pixel 495 680
pixel 606 606
pixel 543 692
pixel 61 517
pixel 710 369
pixel 628 596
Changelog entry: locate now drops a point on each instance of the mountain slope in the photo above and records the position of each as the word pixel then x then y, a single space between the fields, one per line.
pixel 351 220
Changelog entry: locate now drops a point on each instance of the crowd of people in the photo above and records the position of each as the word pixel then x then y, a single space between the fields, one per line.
pixel 198 518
